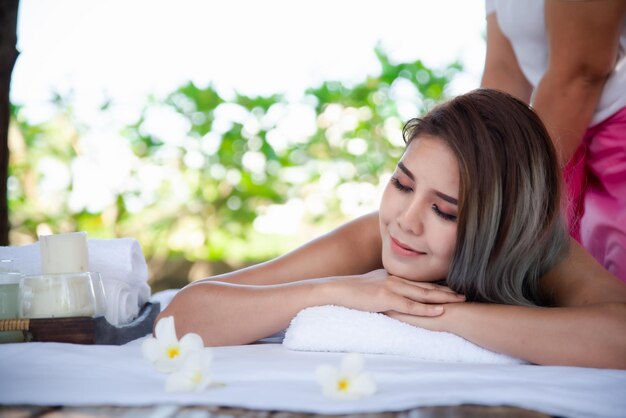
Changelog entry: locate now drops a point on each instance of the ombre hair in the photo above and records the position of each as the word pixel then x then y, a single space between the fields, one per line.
pixel 510 231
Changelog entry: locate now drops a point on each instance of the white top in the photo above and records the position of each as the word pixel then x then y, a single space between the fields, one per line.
pixel 523 23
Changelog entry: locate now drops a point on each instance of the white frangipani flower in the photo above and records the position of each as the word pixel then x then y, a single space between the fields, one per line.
pixel 193 374
pixel 165 351
pixel 350 382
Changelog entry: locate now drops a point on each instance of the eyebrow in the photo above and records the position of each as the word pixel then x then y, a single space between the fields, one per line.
pixel 410 175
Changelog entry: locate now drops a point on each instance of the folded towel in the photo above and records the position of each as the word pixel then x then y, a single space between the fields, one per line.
pixel 121 265
pixel 339 329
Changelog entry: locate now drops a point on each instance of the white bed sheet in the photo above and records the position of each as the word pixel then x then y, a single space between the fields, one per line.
pixel 271 377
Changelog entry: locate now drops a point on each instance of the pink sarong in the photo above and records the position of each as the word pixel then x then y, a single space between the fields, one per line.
pixel 596 190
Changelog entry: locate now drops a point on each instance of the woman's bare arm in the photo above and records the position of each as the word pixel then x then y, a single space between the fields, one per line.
pixel 502 71
pixel 583 40
pixel 353 248
pixel 587 329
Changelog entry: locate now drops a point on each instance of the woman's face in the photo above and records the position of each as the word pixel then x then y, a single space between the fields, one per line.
pixel 418 212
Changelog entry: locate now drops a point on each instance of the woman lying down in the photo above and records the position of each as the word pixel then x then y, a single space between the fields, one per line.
pixel 468 239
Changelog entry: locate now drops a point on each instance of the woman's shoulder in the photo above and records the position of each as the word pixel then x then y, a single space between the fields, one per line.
pixel 580 280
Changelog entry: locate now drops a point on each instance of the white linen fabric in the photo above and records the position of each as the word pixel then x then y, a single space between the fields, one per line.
pixel 340 329
pixel 271 377
pixel 121 265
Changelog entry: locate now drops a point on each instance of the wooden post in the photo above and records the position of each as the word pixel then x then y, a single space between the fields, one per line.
pixel 8 55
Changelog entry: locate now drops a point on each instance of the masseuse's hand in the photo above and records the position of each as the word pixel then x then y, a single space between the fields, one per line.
pixel 377 291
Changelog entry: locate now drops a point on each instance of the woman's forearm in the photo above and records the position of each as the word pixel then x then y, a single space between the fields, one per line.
pixel 233 314
pixel 568 113
pixel 244 305
pixel 585 336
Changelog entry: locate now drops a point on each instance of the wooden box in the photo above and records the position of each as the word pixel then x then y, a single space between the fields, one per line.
pixel 84 330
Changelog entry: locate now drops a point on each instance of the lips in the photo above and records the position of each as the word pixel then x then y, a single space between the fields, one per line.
pixel 403 249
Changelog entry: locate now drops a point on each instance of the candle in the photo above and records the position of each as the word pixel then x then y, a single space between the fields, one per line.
pixel 64 253
pixel 58 296
pixel 9 286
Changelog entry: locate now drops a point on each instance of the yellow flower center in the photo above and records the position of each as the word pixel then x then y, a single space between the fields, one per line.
pixel 173 352
pixel 197 378
pixel 342 385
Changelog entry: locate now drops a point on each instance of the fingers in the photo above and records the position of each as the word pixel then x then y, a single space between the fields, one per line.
pixel 432 286
pixel 424 294
pixel 379 292
pixel 432 324
pixel 429 285
pixel 411 307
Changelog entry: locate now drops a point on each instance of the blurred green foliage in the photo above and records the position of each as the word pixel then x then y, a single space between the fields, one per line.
pixel 230 159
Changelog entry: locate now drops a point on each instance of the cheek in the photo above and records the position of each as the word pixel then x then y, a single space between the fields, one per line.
pixel 447 243
pixel 386 205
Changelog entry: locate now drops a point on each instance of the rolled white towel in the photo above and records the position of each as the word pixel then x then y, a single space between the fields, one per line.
pixel 339 329
pixel 121 259
pixel 126 304
pixel 121 265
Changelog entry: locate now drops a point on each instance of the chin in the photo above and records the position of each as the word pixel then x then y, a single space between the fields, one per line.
pixel 408 272
pixel 403 271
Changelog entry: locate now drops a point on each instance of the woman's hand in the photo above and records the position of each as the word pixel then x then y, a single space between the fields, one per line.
pixel 377 291
pixel 438 323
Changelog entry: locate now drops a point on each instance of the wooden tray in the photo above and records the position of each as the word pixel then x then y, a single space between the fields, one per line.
pixel 84 330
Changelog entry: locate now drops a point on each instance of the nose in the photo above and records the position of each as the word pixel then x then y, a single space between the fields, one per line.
pixel 411 219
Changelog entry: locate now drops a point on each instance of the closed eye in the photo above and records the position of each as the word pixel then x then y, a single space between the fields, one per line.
pixel 396 183
pixel 443 215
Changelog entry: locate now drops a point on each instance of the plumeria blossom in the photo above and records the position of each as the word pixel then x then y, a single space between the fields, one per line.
pixel 165 351
pixel 193 374
pixel 350 382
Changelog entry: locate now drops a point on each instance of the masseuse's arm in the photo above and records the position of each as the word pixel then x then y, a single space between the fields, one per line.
pixel 502 71
pixel 587 329
pixel 583 42
pixel 249 304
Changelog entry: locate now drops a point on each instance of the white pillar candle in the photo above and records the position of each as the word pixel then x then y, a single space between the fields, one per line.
pixel 64 253
pixel 57 296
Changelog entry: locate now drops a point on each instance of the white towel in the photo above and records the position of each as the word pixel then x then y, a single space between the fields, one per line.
pixel 339 329
pixel 121 265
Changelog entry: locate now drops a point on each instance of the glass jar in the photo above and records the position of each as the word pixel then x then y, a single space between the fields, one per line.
pixel 9 299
